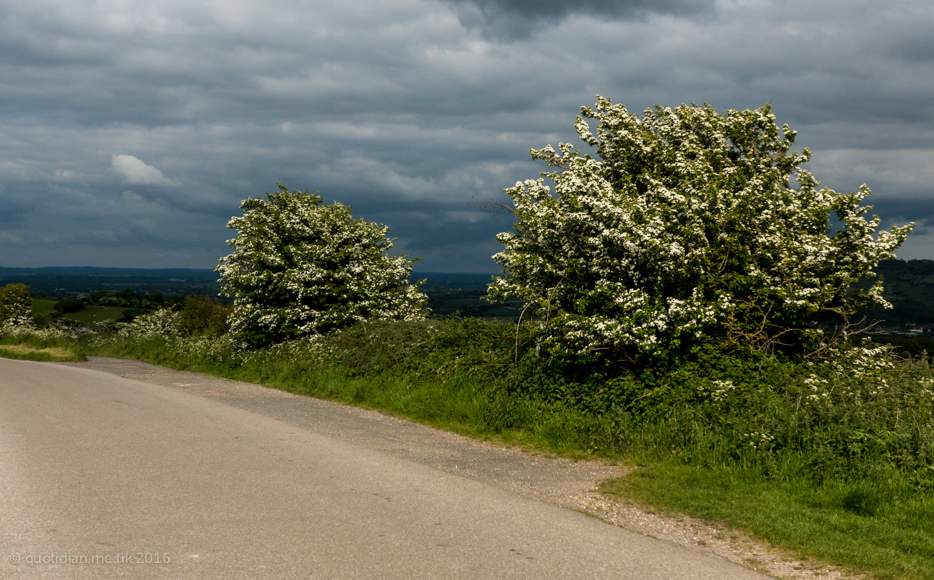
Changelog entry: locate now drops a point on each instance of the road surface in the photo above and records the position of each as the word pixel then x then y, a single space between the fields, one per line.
pixel 103 476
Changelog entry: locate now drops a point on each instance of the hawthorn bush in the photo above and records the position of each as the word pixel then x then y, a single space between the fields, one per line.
pixel 301 267
pixel 687 228
pixel 15 305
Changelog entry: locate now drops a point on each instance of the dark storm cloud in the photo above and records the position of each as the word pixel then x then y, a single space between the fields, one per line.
pixel 519 19
pixel 130 131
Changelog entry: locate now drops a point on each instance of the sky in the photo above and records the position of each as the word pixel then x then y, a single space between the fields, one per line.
pixel 131 130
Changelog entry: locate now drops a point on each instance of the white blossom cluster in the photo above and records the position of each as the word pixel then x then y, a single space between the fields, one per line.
pixel 211 349
pixel 758 440
pixel 857 371
pixel 687 225
pixel 17 321
pixel 15 306
pixel 719 390
pixel 225 350
pixel 301 267
pixel 160 323
pixel 24 329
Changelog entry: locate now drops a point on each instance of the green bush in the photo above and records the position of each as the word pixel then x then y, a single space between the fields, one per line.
pixel 202 315
pixel 154 296
pixel 127 294
pixel 130 314
pixel 68 305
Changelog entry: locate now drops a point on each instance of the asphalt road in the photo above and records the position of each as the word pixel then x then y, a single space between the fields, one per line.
pixel 103 476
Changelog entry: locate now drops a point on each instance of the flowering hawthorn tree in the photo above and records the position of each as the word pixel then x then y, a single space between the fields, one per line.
pixel 689 227
pixel 15 306
pixel 301 267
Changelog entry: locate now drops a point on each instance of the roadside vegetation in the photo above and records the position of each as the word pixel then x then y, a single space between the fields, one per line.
pixel 57 352
pixel 685 309
pixel 50 344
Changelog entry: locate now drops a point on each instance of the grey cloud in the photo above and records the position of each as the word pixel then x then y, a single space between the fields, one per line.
pixel 519 19
pixel 899 211
pixel 397 110
pixel 115 229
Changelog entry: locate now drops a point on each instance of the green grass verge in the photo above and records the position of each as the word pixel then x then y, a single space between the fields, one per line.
pixel 92 314
pixel 861 527
pixel 44 350
pixel 26 352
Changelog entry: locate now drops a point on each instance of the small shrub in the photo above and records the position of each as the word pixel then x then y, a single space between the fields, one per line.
pixel 130 314
pixel 158 324
pixel 127 294
pixel 154 296
pixel 68 305
pixel 202 315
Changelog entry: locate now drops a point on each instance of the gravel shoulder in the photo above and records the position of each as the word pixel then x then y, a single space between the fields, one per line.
pixel 554 480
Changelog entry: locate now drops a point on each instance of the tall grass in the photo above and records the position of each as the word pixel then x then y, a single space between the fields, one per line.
pixel 48 345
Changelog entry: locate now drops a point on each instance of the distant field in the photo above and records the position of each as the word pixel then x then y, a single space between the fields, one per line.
pixel 446 304
pixel 89 315
pixel 73 282
pixel 43 307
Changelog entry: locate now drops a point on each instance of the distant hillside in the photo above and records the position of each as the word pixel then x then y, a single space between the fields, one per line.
pixel 71 282
pixel 461 293
pixel 909 286
pixel 446 282
pixel 68 282
pixel 447 293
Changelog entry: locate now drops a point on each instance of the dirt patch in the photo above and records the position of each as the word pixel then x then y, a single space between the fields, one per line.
pixel 554 480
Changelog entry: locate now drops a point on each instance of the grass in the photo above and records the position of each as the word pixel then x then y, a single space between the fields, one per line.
pixel 43 307
pixel 92 314
pixel 89 315
pixel 52 354
pixel 41 349
pixel 860 527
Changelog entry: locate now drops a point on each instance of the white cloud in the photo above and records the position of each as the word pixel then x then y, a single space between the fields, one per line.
pixel 138 173
pixel 902 173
